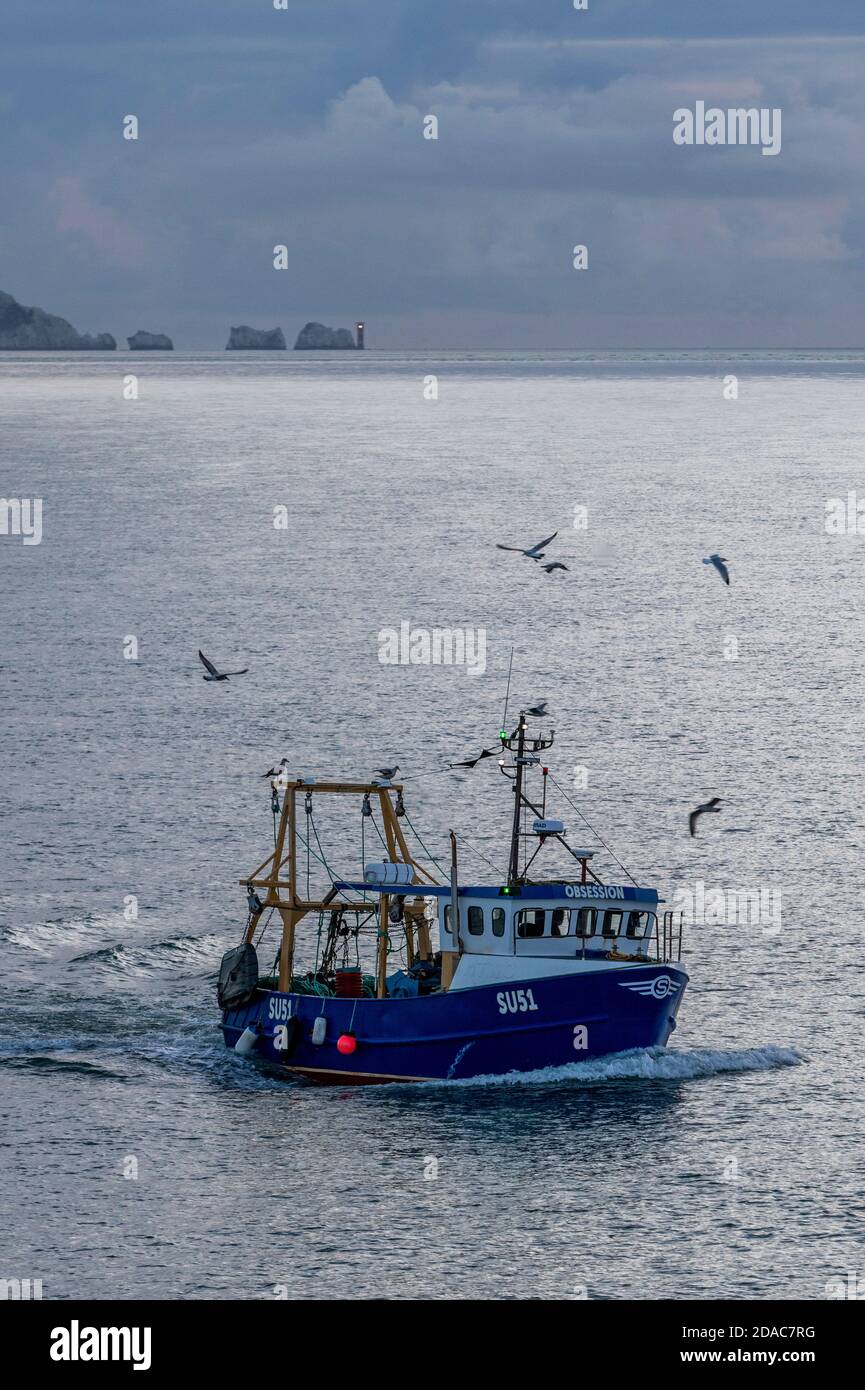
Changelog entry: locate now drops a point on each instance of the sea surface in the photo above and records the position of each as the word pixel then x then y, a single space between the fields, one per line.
pixel 139 1159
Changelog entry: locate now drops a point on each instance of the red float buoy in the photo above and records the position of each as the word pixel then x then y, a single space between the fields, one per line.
pixel 346 1044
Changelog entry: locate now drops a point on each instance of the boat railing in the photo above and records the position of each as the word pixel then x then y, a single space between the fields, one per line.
pixel 668 936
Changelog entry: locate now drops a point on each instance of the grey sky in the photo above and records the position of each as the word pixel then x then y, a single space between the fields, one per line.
pixel 304 126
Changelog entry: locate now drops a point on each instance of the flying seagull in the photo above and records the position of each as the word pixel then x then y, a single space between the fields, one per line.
pixel 713 805
pixel 215 675
pixel 556 565
pixel 538 711
pixel 534 552
pixel 388 772
pixel 720 565
pixel 276 771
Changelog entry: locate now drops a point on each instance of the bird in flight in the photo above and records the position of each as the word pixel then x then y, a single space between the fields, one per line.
pixel 534 552
pixel 276 771
pixel 538 711
pixel 720 565
pixel 713 805
pixel 556 565
pixel 213 674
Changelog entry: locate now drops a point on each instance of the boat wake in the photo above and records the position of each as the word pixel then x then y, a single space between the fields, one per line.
pixel 46 1062
pixel 49 937
pixel 193 954
pixel 647 1064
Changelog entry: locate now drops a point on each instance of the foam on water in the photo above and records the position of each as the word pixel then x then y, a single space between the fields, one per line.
pixel 646 1064
pixel 155 956
pixel 54 934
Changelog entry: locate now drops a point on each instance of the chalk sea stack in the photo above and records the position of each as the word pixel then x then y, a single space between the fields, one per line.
pixel 24 328
pixel 255 339
pixel 150 342
pixel 315 337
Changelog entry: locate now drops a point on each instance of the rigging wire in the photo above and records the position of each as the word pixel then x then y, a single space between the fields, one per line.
pixel 333 874
pixel 265 924
pixel 314 829
pixel 508 691
pixel 381 837
pixel 469 845
pixel 576 808
pixel 429 856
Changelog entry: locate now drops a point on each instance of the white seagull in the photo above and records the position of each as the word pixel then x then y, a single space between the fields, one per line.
pixel 278 770
pixel 213 674
pixel 720 565
pixel 534 552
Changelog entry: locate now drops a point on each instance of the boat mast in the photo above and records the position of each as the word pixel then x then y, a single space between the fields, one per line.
pixel 514 866
pixel 521 762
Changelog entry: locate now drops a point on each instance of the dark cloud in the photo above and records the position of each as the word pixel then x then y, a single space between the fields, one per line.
pixel 555 127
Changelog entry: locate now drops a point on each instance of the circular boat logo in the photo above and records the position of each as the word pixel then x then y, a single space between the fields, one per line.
pixel 659 988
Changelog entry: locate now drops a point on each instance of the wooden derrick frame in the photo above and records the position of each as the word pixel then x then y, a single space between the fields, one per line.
pixel 278 875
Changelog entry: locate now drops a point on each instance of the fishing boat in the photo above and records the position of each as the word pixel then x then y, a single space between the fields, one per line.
pixel 404 977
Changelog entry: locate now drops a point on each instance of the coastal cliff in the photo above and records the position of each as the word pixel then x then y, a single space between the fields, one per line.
pixel 260 339
pixel 315 337
pixel 150 342
pixel 24 328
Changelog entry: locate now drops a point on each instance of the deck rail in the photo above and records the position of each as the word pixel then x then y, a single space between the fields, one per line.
pixel 669 930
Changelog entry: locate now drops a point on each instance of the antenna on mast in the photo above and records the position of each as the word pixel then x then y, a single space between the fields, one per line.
pixel 523 759
pixel 508 692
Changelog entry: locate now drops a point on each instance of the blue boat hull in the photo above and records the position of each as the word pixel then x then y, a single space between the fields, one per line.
pixel 518 1026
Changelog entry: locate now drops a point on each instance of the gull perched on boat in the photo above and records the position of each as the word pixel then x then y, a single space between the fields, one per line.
pixel 213 674
pixel 388 772
pixel 534 552
pixel 720 565
pixel 278 770
pixel 713 805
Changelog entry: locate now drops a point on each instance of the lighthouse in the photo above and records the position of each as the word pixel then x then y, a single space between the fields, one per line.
pixel 359 329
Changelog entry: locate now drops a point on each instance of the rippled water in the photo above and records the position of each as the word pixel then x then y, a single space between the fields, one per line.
pixel 729 1166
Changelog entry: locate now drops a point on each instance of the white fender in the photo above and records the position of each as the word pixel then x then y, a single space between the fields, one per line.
pixel 247 1042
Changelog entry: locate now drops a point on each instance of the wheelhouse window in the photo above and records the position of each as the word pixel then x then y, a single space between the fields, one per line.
pixel 498 921
pixel 586 919
pixel 530 922
pixel 612 923
pixel 476 921
pixel 547 922
pixel 639 924
pixel 559 921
